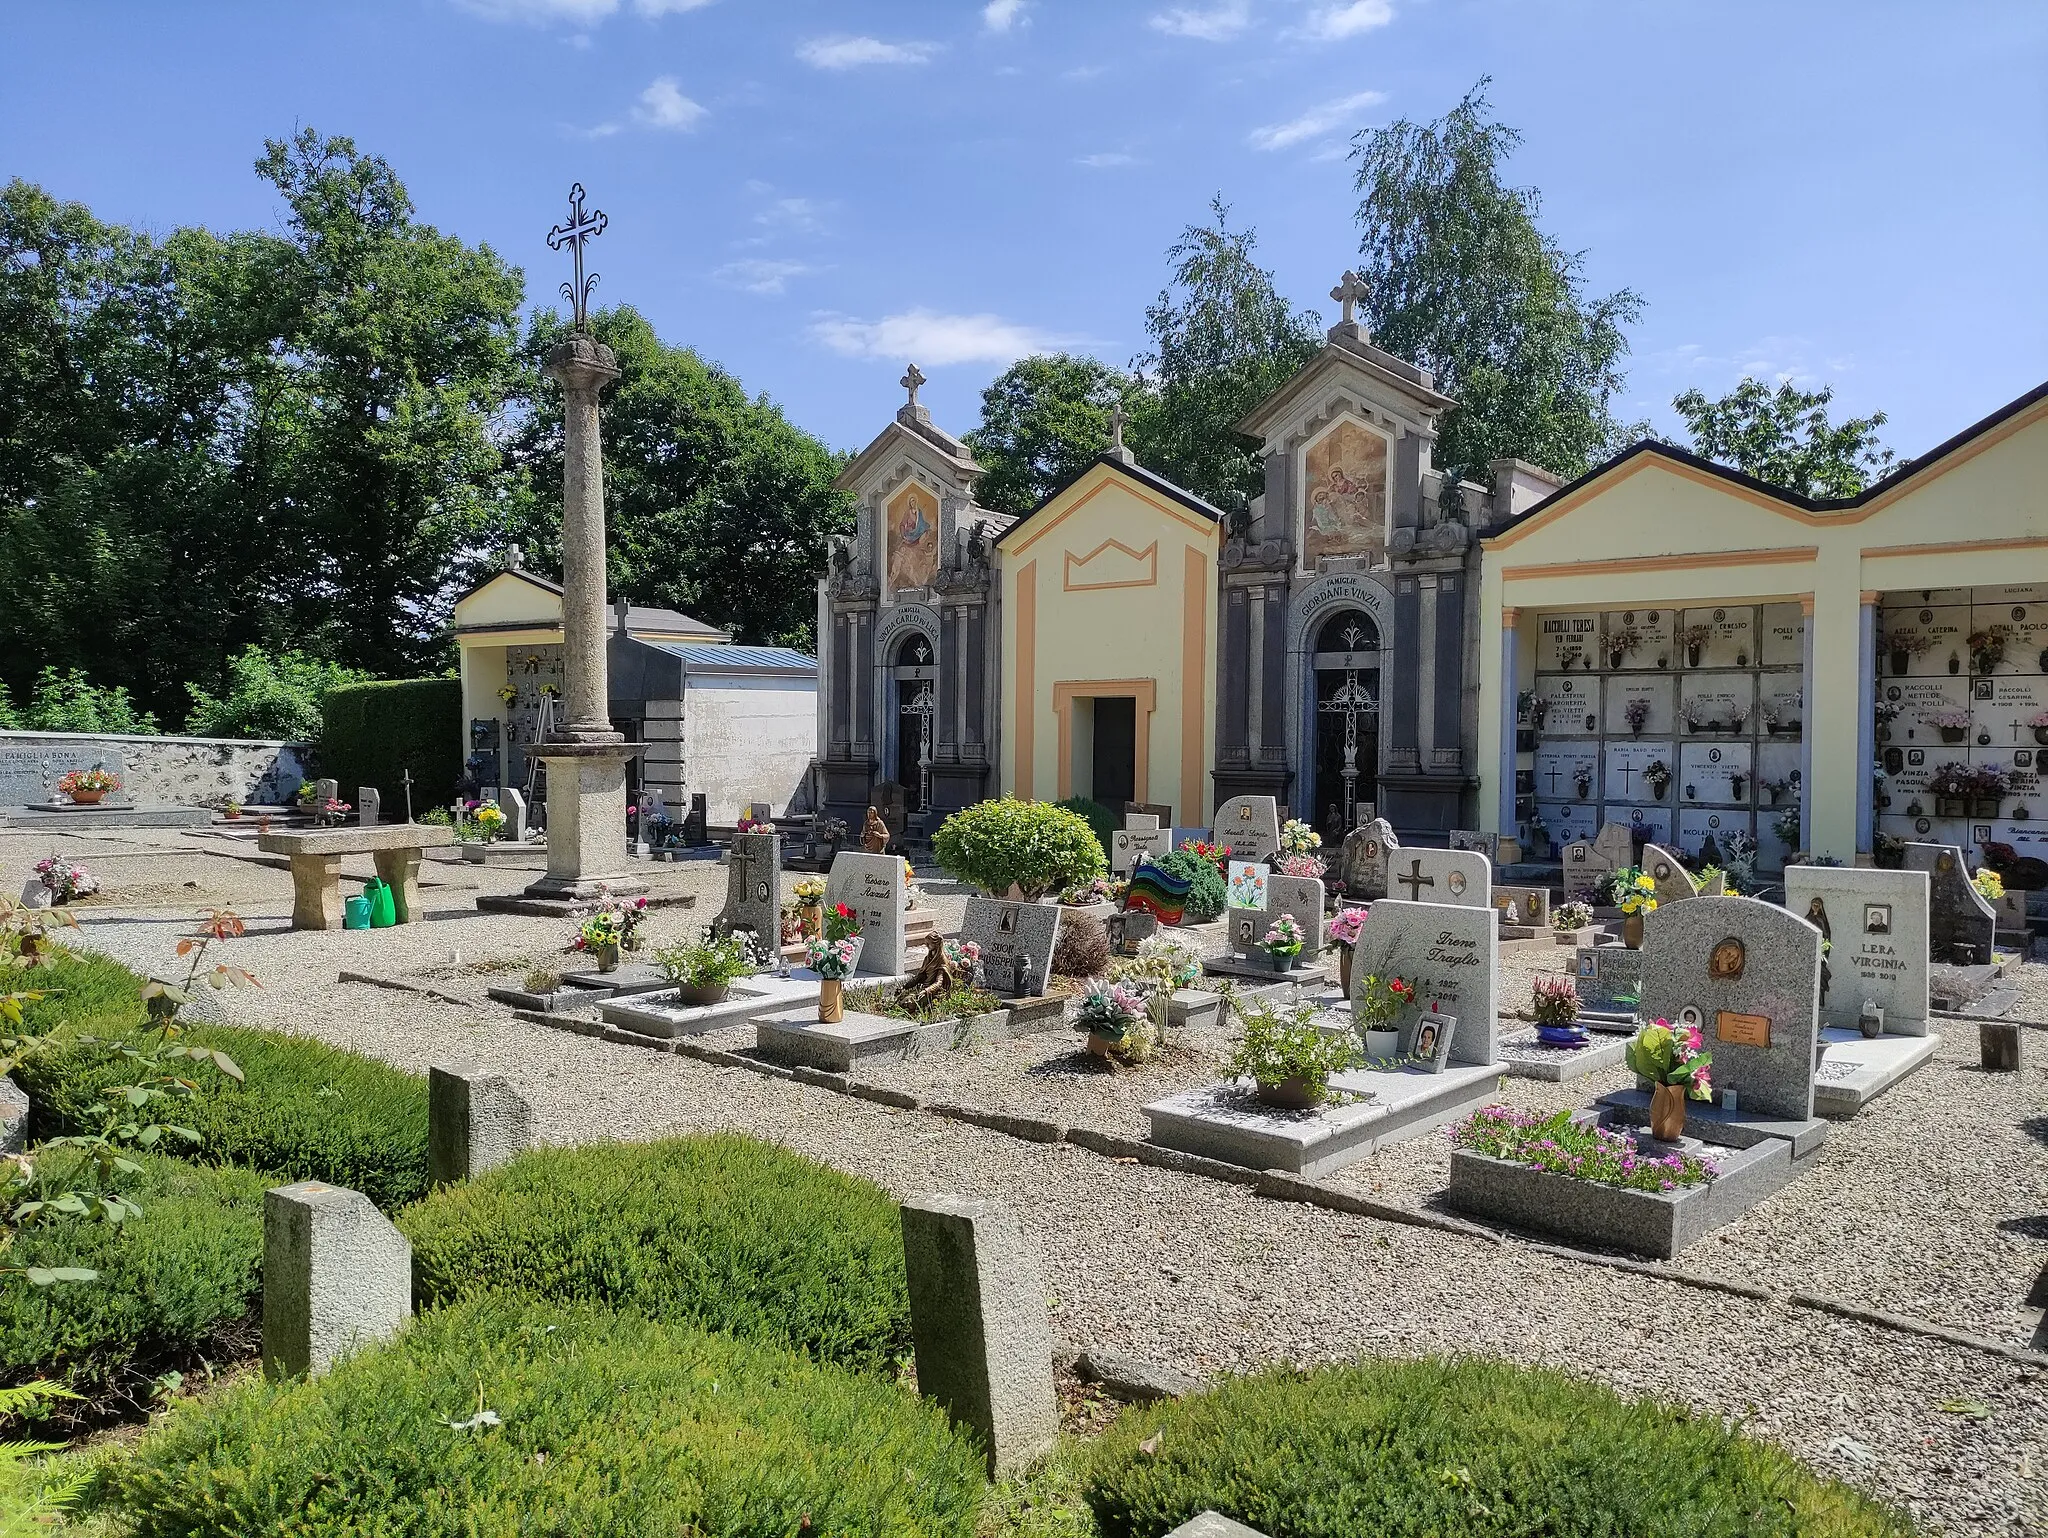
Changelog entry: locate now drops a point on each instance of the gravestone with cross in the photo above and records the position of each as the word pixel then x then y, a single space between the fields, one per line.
pixel 1616 844
pixel 1456 876
pixel 1366 859
pixel 1249 826
pixel 753 891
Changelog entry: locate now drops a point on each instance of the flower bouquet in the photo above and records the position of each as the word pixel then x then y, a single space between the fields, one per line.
pixel 1282 942
pixel 1905 645
pixel 1671 1059
pixel 1659 777
pixel 63 880
pixel 1989 884
pixel 1954 725
pixel 87 786
pixel 1637 712
pixel 1311 866
pixel 1635 894
pixel 809 892
pixel 1297 837
pixel 1112 1016
pixel 833 955
pixel 612 930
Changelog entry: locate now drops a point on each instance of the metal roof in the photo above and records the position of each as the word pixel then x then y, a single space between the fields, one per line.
pixel 740 659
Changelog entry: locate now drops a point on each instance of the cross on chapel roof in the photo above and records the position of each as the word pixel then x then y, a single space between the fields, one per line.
pixel 1118 417
pixel 912 381
pixel 1348 293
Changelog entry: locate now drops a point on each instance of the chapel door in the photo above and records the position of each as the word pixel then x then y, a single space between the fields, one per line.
pixel 1115 769
pixel 916 685
pixel 1347 733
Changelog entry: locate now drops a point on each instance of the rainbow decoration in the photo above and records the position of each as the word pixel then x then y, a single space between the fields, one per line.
pixel 1158 892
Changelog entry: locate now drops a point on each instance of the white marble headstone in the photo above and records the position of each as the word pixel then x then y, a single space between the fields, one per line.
pixel 1450 954
pixel 1130 845
pixel 872 886
pixel 1456 876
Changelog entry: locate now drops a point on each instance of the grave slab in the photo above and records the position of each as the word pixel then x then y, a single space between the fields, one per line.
pixel 630 979
pixel 1712 1123
pixel 661 1018
pixel 1260 969
pixel 1854 1069
pixel 1528 1058
pixel 797 1036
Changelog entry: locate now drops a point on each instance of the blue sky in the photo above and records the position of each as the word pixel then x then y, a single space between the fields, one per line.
pixel 811 191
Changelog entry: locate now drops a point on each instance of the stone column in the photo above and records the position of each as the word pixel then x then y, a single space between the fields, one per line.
pixel 1510 688
pixel 586 759
pixel 1866 722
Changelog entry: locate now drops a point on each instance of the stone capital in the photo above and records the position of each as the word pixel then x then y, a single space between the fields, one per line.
pixel 582 363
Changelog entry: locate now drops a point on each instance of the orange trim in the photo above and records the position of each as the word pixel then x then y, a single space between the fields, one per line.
pixel 1143 691
pixel 1508 617
pixel 1791 555
pixel 1048 520
pixel 1806 604
pixel 1196 658
pixel 1024 707
pixel 1956 547
pixel 1959 456
pixel 1871 595
pixel 1148 558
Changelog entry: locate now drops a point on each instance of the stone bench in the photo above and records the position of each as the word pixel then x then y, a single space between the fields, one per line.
pixel 316 866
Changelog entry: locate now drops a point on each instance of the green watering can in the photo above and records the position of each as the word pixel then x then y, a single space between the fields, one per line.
pixel 383 911
pixel 355 913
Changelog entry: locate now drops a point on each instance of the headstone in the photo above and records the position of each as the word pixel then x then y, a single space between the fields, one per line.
pixel 893 802
pixel 1162 816
pixel 1674 883
pixel 1585 867
pixel 697 825
pixel 1017 940
pixel 1450 953
pixel 1213 1524
pixel 1131 929
pixel 1532 904
pixel 1129 845
pixel 369 806
pixel 753 889
pixel 1877 921
pixel 1748 974
pixel 1487 844
pixel 325 791
pixel 336 1275
pixel 1141 822
pixel 1616 844
pixel 1455 876
pixel 29 776
pixel 513 805
pixel 980 1325
pixel 872 886
pixel 1364 861
pixel 1961 925
pixel 1249 826
pixel 1301 899
pixel 474 1123
pixel 1609 978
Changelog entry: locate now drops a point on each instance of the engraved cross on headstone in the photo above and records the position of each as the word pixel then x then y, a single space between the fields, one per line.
pixel 912 381
pixel 1415 881
pixel 579 229
pixel 1349 293
pixel 1552 772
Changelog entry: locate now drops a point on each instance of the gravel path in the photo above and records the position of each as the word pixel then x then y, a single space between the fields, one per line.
pixel 1926 1204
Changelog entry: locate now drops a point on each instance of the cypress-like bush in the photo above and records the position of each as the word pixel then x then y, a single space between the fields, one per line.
pixel 1417 1449
pixel 170 1281
pixel 599 1425
pixel 307 1111
pixel 372 733
pixel 1206 898
pixel 721 1232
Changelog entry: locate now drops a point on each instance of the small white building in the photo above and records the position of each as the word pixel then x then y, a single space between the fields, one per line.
pixel 736 724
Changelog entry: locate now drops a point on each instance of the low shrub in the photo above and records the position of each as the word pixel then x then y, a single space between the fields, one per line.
pixel 1033 845
pixel 307 1110
pixel 721 1232
pixel 1482 1449
pixel 1100 819
pixel 1206 897
pixel 1082 949
pixel 503 1417
pixel 172 1281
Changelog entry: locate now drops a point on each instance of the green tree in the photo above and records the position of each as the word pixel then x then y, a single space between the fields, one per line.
pixel 269 695
pixel 1043 421
pixel 1462 282
pixel 1223 339
pixel 715 503
pixel 70 702
pixel 1784 437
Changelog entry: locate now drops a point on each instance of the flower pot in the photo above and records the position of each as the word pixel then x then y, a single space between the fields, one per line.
pixel 1379 1044
pixel 1951 806
pixel 831 1001
pixel 1987 806
pixel 1585 790
pixel 2041 735
pixel 1632 931
pixel 1283 961
pixel 606 957
pixel 1344 969
pixel 1955 664
pixel 703 993
pixel 1658 790
pixel 1692 656
pixel 1900 662
pixel 232 815
pixel 1102 1046
pixel 1667 1112
pixel 1561 1035
pixel 87 797
pixel 1954 733
pixel 1289 1095
pixel 1614 659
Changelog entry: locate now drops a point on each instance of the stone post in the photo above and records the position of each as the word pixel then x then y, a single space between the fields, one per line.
pixel 474 1123
pixel 1212 1524
pixel 336 1275
pixel 979 1320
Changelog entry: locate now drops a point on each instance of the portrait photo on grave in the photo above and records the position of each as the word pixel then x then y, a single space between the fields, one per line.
pixel 1433 1033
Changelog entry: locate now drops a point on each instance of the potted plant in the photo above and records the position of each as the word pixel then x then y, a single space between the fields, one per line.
pixel 611 931
pixel 704 970
pixel 1671 1059
pixel 1288 1057
pixel 1582 781
pixel 1344 931
pixel 233 811
pixel 1112 1016
pixel 1786 826
pixel 1951 787
pixel 1378 1005
pixel 88 787
pixel 1282 943
pixel 2038 722
pixel 1659 777
pixel 1635 895
pixel 1619 642
pixel 833 955
pixel 1567 919
pixel 1637 713
pixel 1987 647
pixel 809 892
pixel 1555 1004
pixel 1905 645
pixel 1692 638
pixel 1953 725
pixel 1884 713
pixel 1988 787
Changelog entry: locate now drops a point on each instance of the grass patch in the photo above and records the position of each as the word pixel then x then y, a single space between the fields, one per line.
pixel 958 1004
pixel 720 1232
pixel 603 1426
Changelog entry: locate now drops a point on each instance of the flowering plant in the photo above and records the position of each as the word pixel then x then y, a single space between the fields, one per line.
pixel 89 781
pixel 1621 638
pixel 1344 928
pixel 64 880
pixel 1987 647
pixel 1913 643
pixel 1311 866
pixel 1180 960
pixel 1555 1144
pixel 332 810
pixel 615 923
pixel 1989 884
pixel 1695 635
pixel 1659 776
pixel 1297 837
pixel 1109 1009
pixel 1215 854
pixel 509 693
pixel 1554 1001
pixel 1277 1048
pixel 489 821
pixel 808 890
pixel 1638 713
pixel 841 922
pixel 1948 720
pixel 1568 917
pixel 1951 782
pixel 1096 889
pixel 1380 1002
pixel 1668 1054
pixel 833 959
pixel 2038 719
pixel 753 825
pixel 1634 891
pixel 712 962
pixel 964 954
pixel 1283 938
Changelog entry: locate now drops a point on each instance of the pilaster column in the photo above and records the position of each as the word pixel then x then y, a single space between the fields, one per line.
pixel 1510 689
pixel 1866 722
pixel 583 367
pixel 1806 693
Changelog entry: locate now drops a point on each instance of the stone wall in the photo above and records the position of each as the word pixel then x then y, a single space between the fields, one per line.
pixel 157 771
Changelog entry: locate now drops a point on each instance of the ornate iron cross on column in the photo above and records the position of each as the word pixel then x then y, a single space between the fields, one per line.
pixel 1353 702
pixel 579 229
pixel 922 707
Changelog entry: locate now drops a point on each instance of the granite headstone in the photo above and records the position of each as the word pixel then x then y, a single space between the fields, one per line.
pixel 872 886
pixel 1129 845
pixel 1609 978
pixel 1877 921
pixel 753 890
pixel 369 806
pixel 1017 940
pixel 1364 861
pixel 1674 883
pixel 697 825
pixel 1961 924
pixel 1297 897
pixel 1450 954
pixel 1249 826
pixel 1585 868
pixel 1532 904
pixel 1456 876
pixel 29 776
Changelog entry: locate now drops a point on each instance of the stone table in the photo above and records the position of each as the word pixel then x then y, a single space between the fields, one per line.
pixel 316 866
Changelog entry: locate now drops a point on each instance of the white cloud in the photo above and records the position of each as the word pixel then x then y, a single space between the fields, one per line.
pixel 663 105
pixel 758 275
pixel 1085 72
pixel 1217 24
pixel 668 7
pixel 1333 23
pixel 1107 160
pixel 581 13
pixel 854 52
pixel 1002 15
pixel 934 340
pixel 798 216
pixel 1315 122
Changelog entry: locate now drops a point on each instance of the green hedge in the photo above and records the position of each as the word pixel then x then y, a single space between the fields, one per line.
pixel 307 1111
pixel 721 1232
pixel 1479 1449
pixel 606 1426
pixel 372 733
pixel 169 1282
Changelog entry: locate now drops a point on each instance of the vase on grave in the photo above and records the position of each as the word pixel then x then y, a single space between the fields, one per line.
pixel 831 1001
pixel 1667 1112
pixel 1953 733
pixel 1283 961
pixel 1344 969
pixel 1900 662
pixel 1100 1046
pixel 1692 656
pixel 2041 735
pixel 1632 931
pixel 688 995
pixel 607 957
pixel 1987 806
pixel 812 917
pixel 86 797
pixel 1382 1044
pixel 1950 806
pixel 1955 663
pixel 1289 1095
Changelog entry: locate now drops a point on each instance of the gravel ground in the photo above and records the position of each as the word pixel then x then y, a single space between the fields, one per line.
pixel 1927 1203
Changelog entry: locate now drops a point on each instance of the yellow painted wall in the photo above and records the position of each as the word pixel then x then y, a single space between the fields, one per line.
pixel 1111 585
pixel 1658 533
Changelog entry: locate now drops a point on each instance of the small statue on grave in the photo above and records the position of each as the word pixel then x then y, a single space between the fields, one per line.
pixel 937 975
pixel 874 838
